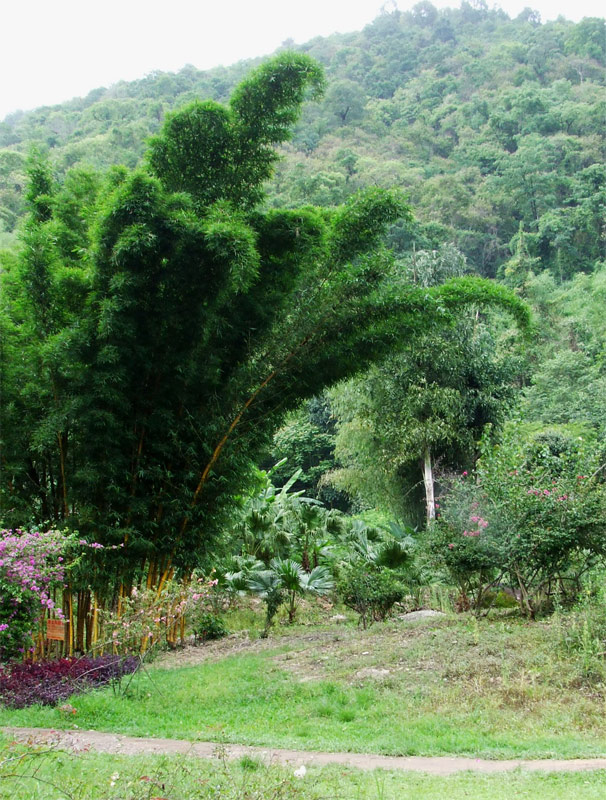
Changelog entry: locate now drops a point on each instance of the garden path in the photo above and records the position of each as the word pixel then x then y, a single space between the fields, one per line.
pixel 96 741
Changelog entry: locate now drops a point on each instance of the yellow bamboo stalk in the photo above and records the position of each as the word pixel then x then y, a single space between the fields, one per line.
pixel 94 636
pixel 182 621
pixel 121 594
pixel 166 576
pixel 145 641
pixel 70 618
pixel 151 574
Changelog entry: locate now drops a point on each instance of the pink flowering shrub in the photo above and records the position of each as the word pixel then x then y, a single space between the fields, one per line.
pixel 145 616
pixel 32 566
pixel 462 540
pixel 532 517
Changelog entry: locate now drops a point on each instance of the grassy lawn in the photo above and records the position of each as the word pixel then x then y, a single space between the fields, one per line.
pixel 492 688
pixel 53 776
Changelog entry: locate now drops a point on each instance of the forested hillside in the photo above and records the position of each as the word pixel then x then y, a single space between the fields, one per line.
pixel 488 123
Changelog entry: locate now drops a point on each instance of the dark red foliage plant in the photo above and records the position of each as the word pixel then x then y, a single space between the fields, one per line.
pixel 51 682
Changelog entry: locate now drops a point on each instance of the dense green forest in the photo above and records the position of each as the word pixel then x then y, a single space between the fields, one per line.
pixel 485 121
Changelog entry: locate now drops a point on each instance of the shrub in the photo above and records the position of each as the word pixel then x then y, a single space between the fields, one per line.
pixel 32 565
pixel 207 626
pixel 531 517
pixel 51 682
pixel 267 585
pixel 465 540
pixel 370 591
pixel 285 581
pixel 146 617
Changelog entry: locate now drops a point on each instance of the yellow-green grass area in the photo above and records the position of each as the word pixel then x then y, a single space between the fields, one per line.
pixel 502 688
pixel 30 774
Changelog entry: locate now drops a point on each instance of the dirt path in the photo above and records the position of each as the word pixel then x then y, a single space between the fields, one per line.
pixel 81 741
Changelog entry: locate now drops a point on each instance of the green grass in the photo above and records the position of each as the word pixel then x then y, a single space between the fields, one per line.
pixel 501 689
pixel 54 776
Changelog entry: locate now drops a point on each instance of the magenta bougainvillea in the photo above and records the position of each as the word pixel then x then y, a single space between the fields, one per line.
pixel 32 567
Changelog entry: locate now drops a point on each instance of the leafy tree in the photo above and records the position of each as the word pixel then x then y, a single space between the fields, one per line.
pixel 568 383
pixel 521 265
pixel 588 38
pixel 306 441
pixel 346 101
pixel 427 405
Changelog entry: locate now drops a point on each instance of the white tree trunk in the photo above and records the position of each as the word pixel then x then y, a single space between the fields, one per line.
pixel 430 502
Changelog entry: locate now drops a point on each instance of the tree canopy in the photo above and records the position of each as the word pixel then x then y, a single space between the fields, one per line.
pixel 485 122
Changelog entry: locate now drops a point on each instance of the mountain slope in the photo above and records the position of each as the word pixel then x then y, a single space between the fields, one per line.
pixel 489 123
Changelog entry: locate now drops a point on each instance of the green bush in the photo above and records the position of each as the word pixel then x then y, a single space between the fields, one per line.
pixel 207 626
pixel 500 600
pixel 532 517
pixel 370 591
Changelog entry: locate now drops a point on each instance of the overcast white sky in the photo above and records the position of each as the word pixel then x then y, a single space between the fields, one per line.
pixel 53 51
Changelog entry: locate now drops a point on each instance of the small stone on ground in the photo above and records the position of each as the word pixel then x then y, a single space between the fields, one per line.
pixel 424 613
